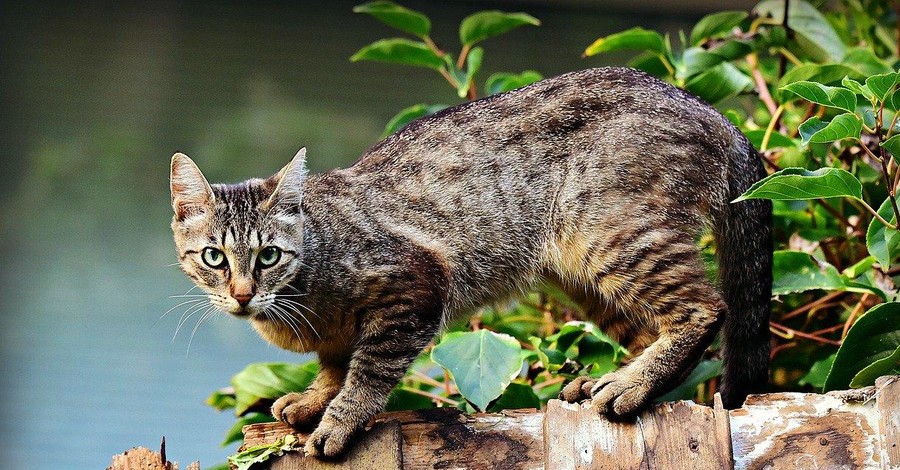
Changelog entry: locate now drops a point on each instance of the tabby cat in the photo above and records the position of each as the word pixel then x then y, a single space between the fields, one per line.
pixel 598 181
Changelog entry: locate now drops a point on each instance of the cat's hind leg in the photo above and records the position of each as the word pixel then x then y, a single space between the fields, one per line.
pixel 658 281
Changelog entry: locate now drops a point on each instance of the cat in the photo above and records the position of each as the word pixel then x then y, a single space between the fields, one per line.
pixel 598 181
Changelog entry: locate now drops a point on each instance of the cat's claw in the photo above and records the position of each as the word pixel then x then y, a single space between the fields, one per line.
pixel 618 394
pixel 329 439
pixel 577 390
pixel 299 410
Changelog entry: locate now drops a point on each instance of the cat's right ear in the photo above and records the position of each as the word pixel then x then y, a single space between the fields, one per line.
pixel 191 193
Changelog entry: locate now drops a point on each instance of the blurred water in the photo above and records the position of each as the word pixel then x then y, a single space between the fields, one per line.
pixel 95 99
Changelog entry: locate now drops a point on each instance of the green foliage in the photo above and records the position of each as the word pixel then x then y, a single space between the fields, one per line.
pixel 818 99
pixel 251 456
pixel 482 363
pixel 869 350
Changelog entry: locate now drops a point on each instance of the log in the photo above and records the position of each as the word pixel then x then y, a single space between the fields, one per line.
pixel 142 458
pixel 854 429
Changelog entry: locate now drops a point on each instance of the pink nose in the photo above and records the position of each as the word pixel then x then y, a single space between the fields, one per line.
pixel 243 299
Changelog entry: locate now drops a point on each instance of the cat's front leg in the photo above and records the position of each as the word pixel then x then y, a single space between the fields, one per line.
pixel 303 410
pixel 382 358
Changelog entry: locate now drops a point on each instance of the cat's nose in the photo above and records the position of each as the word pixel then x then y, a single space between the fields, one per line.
pixel 243 299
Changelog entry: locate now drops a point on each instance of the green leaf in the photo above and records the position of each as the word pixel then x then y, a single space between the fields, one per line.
pixel 776 139
pixel 267 381
pixel 835 97
pixel 716 24
pixel 410 114
pixel 864 60
pixel 473 65
pixel 400 51
pixel 798 184
pixel 824 74
pixel 486 24
pixel 796 271
pixel 235 433
pixel 704 371
pixel 893 145
pixel 893 101
pixel 874 336
pixel 843 126
pixel 251 456
pixel 863 265
pixel 881 85
pixel 887 366
pixel 482 363
pixel 516 396
pixel 720 82
pixel 813 34
pixel 632 39
pixel 402 398
pixel 501 82
pixel 396 16
pixel 696 60
pixel 857 88
pixel 221 399
pixel 818 372
pixel 881 240
pixel 652 63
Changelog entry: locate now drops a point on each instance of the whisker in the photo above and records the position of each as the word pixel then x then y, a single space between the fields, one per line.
pixel 288 305
pixel 291 301
pixel 187 295
pixel 286 318
pixel 207 314
pixel 185 317
pixel 179 305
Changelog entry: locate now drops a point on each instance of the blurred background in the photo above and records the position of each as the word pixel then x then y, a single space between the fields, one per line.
pixel 95 99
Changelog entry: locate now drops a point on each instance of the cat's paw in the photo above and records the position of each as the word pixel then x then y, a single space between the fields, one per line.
pixel 330 439
pixel 620 394
pixel 299 410
pixel 579 389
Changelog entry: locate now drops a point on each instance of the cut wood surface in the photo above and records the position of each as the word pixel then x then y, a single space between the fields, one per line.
pixel 844 430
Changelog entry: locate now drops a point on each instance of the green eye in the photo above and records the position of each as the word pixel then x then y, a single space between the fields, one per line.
pixel 214 258
pixel 268 256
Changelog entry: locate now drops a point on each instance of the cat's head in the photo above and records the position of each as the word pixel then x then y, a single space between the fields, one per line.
pixel 241 243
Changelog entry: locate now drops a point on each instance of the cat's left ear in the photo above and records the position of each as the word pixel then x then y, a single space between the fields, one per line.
pixel 191 193
pixel 289 182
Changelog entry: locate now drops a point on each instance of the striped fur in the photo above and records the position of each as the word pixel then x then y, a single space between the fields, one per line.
pixel 599 181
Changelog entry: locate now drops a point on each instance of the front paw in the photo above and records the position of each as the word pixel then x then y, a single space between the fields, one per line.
pixel 620 394
pixel 300 410
pixel 330 439
pixel 579 389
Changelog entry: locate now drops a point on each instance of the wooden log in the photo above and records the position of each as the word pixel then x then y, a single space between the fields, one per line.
pixel 887 396
pixel 436 438
pixel 804 431
pixel 671 435
pixel 851 429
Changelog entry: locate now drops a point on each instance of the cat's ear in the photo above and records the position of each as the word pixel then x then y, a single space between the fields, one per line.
pixel 191 193
pixel 289 182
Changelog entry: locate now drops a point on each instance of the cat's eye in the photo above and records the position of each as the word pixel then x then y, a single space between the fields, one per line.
pixel 214 258
pixel 268 256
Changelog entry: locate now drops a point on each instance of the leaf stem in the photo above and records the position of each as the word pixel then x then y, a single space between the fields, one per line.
pixel 771 127
pixel 877 215
pixel 764 94
pixel 462 56
pixel 452 81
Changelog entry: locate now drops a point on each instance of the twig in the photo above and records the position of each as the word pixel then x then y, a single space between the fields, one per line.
pixel 433 396
pixel 549 382
pixel 856 311
pixel 462 56
pixel 771 127
pixel 790 333
pixel 782 63
pixel 812 305
pixel 781 347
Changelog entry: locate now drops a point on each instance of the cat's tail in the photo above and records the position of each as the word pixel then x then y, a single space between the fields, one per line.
pixel 744 244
